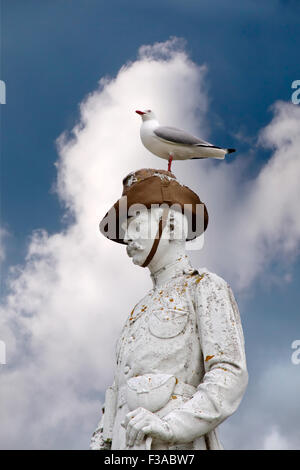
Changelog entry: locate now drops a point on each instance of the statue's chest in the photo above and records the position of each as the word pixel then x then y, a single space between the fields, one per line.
pixel 164 317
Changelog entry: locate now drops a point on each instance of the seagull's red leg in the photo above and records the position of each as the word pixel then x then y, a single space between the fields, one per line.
pixel 170 162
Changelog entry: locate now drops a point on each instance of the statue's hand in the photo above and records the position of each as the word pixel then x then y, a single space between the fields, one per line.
pixel 141 423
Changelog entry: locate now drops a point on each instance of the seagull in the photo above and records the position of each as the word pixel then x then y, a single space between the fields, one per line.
pixel 171 143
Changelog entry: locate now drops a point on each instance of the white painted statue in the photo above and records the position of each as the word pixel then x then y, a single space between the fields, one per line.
pixel 180 366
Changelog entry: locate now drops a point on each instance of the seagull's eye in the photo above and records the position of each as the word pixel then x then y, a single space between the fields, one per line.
pixel 148 110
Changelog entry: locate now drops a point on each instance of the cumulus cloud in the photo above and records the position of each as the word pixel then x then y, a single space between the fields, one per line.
pixel 69 300
pixel 256 222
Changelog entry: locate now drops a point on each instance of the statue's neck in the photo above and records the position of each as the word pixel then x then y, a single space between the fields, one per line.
pixel 174 268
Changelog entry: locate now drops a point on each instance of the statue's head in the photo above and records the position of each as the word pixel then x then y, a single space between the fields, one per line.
pixel 155 215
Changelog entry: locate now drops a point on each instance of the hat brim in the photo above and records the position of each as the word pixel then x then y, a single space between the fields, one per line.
pixel 154 192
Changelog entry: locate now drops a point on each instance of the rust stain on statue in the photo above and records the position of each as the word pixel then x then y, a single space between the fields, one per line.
pixel 199 278
pixel 208 358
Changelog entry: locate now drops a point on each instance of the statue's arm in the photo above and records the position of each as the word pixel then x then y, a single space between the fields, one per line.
pixel 226 377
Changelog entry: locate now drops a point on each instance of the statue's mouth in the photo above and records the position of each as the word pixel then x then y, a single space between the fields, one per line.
pixel 133 247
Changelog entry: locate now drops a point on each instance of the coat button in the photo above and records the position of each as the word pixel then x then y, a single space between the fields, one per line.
pixel 126 369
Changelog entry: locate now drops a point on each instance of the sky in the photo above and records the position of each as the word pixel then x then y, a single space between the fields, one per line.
pixel 75 71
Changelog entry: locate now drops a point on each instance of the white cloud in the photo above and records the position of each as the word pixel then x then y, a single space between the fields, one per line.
pixel 256 222
pixel 275 440
pixel 69 300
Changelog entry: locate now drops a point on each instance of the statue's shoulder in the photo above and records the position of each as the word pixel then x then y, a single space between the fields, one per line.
pixel 204 278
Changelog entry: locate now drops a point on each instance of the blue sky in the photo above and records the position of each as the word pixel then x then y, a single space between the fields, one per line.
pixel 53 55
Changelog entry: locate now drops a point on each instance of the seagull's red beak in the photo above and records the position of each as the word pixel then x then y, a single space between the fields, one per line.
pixel 140 113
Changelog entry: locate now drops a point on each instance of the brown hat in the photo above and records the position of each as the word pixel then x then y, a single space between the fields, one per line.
pixel 155 187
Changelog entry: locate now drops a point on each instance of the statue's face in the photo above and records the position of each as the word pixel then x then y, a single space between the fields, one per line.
pixel 139 236
pixel 140 233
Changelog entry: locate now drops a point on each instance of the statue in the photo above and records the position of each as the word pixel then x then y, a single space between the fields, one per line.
pixel 180 365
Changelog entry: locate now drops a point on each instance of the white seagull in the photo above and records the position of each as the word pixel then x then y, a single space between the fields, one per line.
pixel 171 143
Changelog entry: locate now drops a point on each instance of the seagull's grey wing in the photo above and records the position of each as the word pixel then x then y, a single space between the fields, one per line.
pixel 178 136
